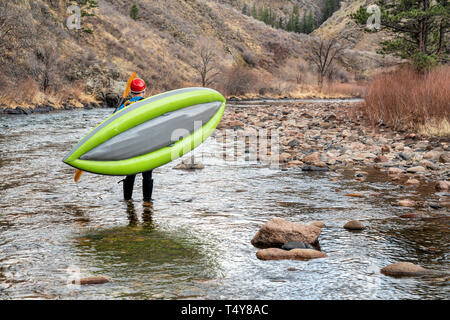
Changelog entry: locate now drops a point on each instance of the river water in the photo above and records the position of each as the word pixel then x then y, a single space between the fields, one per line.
pixel 194 242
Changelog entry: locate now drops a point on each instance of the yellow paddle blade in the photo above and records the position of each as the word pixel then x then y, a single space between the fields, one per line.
pixel 128 88
pixel 77 176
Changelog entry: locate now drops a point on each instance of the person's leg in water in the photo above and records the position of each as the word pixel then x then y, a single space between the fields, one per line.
pixel 147 185
pixel 128 184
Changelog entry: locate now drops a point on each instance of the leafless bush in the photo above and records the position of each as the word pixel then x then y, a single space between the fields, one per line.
pixel 250 59
pixel 280 53
pixel 26 91
pixel 43 66
pixel 337 74
pixel 406 99
pixel 239 80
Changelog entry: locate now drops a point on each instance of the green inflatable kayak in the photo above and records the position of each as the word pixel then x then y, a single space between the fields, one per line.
pixel 149 133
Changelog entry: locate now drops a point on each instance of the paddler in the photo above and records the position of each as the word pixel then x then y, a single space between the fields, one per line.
pixel 137 93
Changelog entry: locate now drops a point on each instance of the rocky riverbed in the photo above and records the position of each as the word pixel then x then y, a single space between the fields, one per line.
pixel 332 136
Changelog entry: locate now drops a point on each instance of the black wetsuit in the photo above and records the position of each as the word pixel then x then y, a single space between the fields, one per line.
pixel 147 186
pixel 147 181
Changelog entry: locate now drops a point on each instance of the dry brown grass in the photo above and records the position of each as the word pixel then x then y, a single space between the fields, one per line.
pixel 407 100
pixel 435 128
pixel 24 93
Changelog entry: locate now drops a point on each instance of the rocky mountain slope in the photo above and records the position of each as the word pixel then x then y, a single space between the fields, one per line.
pixel 161 45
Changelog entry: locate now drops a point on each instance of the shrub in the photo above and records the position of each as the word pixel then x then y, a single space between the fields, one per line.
pixel 406 99
pixel 250 59
pixel 134 11
pixel 239 80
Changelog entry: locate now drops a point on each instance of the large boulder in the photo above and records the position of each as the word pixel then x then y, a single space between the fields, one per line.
pixel 294 254
pixel 278 231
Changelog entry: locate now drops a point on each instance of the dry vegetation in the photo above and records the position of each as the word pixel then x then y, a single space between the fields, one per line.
pixel 407 100
pixel 41 54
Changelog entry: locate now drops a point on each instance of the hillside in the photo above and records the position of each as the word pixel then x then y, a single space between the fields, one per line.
pixel 59 66
pixel 340 26
pixel 365 44
pixel 283 8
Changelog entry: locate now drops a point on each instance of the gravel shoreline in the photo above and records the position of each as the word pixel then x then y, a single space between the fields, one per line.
pixel 327 136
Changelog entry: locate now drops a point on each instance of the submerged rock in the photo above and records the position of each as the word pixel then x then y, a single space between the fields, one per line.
pixel 278 231
pixel 296 245
pixel 314 168
pixel 294 254
pixel 412 215
pixel 404 269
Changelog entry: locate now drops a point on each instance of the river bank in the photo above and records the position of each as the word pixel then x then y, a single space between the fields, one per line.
pixel 334 137
pixel 110 100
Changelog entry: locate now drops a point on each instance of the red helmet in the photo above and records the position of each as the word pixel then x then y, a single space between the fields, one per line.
pixel 137 86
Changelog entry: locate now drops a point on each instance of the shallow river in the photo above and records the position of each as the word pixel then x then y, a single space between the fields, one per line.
pixel 195 240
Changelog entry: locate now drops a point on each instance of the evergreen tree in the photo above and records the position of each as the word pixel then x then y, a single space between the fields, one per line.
pixel 296 25
pixel 245 9
pixel 265 16
pixel 281 23
pixel 134 11
pixel 254 12
pixel 304 26
pixel 310 24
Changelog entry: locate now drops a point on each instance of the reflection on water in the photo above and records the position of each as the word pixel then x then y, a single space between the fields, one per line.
pixel 152 259
pixel 193 241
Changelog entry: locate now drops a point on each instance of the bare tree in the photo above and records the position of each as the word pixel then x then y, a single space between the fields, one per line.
pixel 323 53
pixel 206 64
